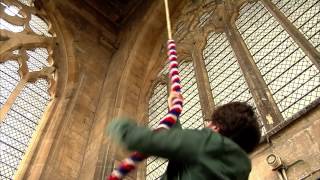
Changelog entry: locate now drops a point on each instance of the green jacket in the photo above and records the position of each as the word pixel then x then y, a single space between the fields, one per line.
pixel 193 154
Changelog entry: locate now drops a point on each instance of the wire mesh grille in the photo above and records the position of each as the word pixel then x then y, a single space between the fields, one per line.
pixel 305 15
pixel 179 29
pixel 203 20
pixel 158 108
pixel 191 116
pixel 39 26
pixel 38 59
pixel 10 27
pixel 18 127
pixel 293 80
pixel 9 78
pixel 225 77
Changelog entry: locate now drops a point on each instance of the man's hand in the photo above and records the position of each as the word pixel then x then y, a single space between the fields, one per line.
pixel 173 95
pixel 117 128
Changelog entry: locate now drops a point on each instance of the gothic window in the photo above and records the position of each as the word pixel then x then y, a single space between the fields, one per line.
pixel 288 72
pixel 26 79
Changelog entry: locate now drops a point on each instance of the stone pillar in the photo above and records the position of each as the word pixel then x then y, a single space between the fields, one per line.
pixel 204 89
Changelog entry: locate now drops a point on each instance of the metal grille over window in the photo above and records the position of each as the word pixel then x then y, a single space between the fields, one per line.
pixel 180 28
pixel 17 129
pixel 24 94
pixel 225 77
pixel 158 108
pixel 39 26
pixel 9 78
pixel 203 20
pixel 293 80
pixel 37 59
pixel 305 15
pixel 191 117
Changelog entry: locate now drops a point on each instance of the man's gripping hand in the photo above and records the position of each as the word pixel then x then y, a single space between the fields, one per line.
pixel 118 127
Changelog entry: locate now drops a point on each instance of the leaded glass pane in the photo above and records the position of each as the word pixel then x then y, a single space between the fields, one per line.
pixel 38 59
pixel 158 108
pixel 291 77
pixel 39 26
pixel 305 15
pixel 225 77
pixel 203 20
pixel 191 116
pixel 10 27
pixel 9 78
pixel 19 125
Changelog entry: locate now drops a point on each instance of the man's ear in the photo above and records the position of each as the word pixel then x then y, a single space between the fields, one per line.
pixel 215 128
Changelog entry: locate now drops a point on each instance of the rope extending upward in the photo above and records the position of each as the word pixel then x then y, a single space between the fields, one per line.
pixel 130 163
pixel 166 4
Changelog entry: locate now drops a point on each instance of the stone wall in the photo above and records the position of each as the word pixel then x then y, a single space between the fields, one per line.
pixel 85 46
pixel 298 145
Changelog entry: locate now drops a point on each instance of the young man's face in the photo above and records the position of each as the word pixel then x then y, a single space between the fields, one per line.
pixel 213 127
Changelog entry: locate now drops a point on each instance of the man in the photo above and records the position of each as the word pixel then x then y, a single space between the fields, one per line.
pixel 216 152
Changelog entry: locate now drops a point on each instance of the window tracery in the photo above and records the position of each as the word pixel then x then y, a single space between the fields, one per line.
pixel 27 78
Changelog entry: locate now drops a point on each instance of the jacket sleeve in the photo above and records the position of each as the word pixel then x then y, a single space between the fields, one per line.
pixel 172 144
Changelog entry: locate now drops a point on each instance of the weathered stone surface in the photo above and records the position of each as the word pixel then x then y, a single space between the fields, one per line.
pixel 297 146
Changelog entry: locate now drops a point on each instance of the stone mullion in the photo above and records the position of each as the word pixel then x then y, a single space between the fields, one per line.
pixel 16 40
pixel 13 96
pixel 268 109
pixel 296 35
pixel 26 13
pixel 11 19
pixel 28 77
pixel 204 89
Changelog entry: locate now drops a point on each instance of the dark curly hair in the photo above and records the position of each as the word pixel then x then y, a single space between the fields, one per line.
pixel 237 121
